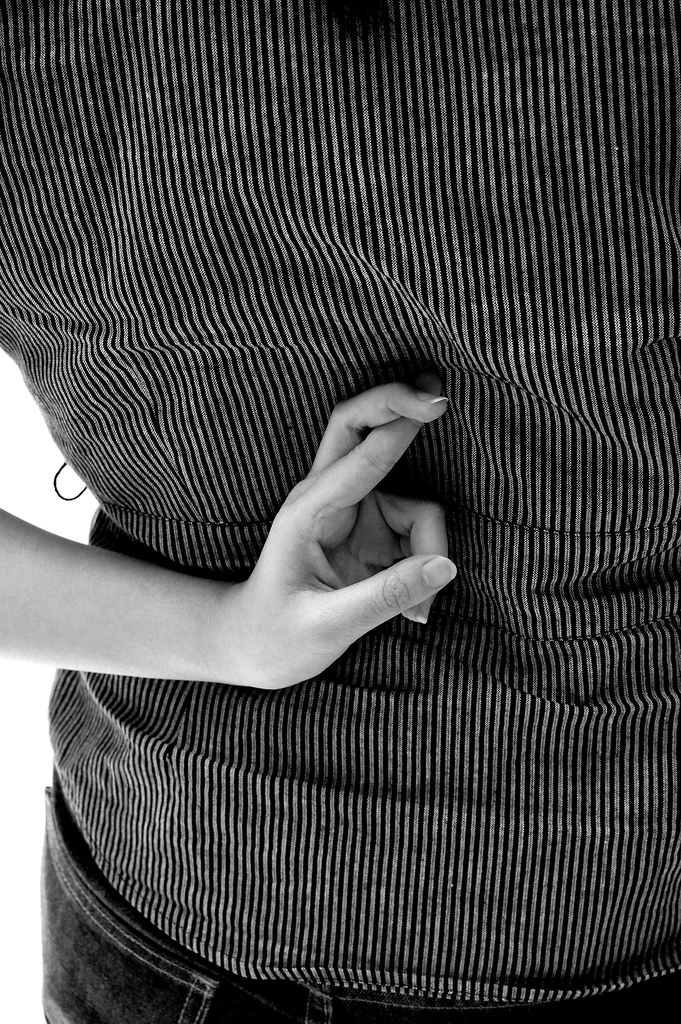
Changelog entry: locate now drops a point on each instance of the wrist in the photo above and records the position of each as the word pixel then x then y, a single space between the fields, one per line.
pixel 216 632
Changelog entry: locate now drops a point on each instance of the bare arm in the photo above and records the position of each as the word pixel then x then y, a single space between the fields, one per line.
pixel 77 606
pixel 313 592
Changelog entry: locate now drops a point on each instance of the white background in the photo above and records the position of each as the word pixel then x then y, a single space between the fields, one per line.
pixel 29 460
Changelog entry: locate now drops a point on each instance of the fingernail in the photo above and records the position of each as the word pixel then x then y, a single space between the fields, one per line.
pixel 438 571
pixel 414 617
pixel 426 610
pixel 423 396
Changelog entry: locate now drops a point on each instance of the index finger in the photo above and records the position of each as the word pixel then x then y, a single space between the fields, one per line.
pixel 349 479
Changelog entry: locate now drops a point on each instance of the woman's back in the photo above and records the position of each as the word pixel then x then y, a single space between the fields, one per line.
pixel 217 224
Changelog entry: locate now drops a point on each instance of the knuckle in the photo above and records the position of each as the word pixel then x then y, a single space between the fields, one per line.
pixel 297 492
pixel 347 415
pixel 382 463
pixel 286 520
pixel 395 591
pixel 339 409
pixel 397 391
pixel 297 512
pixel 393 397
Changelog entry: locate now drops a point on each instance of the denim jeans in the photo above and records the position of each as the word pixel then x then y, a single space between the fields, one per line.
pixel 103 963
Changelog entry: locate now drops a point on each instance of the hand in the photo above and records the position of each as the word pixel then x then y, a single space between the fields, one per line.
pixel 341 557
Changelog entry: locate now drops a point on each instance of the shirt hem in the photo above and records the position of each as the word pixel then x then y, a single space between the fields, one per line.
pixel 465 992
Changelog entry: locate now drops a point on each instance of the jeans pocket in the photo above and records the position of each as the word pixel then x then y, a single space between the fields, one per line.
pixel 102 964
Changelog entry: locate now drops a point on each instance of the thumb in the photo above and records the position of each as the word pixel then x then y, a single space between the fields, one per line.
pixel 367 604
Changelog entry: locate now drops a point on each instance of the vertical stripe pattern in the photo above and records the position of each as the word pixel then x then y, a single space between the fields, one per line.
pixel 218 219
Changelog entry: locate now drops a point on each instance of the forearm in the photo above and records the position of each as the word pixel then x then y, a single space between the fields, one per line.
pixel 76 606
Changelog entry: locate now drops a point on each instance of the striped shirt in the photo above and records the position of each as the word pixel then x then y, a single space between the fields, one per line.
pixel 218 220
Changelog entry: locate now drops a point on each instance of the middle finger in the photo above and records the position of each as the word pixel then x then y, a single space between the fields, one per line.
pixel 353 419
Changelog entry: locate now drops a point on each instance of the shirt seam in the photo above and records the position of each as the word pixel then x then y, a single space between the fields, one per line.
pixel 555 639
pixel 142 513
pixel 503 522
